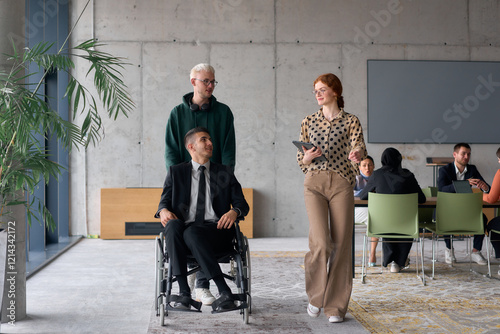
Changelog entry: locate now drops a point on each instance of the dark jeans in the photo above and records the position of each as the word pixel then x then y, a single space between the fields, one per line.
pixel 478 238
pixel 201 280
pixel 396 251
pixel 494 237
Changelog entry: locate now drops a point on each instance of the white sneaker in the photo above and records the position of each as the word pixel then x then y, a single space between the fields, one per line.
pixel 334 318
pixel 313 311
pixel 204 296
pixel 478 258
pixel 394 269
pixel 449 256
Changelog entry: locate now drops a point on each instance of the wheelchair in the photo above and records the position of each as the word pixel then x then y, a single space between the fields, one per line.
pixel 239 259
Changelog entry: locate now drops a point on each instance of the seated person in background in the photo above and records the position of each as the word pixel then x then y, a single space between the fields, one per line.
pixel 461 170
pixel 366 168
pixel 393 179
pixel 195 208
pixel 492 197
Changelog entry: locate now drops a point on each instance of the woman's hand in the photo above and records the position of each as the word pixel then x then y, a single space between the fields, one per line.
pixel 310 154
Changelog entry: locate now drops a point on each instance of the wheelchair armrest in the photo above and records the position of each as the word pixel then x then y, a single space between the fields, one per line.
pixel 239 235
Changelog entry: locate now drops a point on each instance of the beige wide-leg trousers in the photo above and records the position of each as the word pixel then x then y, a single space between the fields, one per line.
pixel 329 203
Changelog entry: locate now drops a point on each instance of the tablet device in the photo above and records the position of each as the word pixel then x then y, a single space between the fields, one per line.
pixel 308 146
pixel 462 187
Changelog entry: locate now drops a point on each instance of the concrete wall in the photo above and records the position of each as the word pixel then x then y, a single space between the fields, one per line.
pixel 266 54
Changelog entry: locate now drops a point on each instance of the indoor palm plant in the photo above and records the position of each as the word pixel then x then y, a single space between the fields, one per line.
pixel 26 115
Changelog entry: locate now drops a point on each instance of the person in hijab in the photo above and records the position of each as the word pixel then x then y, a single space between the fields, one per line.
pixel 391 178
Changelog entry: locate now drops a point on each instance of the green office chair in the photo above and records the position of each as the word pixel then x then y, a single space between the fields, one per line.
pixel 458 214
pixel 426 215
pixel 430 191
pixel 393 216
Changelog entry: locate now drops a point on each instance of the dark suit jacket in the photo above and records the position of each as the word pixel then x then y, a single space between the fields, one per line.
pixel 384 181
pixel 447 175
pixel 224 188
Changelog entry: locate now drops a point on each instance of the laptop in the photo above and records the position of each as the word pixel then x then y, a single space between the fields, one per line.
pixel 462 187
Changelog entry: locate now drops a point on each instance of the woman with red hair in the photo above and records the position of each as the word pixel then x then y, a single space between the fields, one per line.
pixel 330 169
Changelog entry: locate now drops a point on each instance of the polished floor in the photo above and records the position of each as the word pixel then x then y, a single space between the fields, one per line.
pixel 107 286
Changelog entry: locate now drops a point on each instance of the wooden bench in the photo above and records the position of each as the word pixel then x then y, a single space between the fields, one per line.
pixel 127 213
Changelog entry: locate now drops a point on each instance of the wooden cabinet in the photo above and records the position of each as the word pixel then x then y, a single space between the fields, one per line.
pixel 128 213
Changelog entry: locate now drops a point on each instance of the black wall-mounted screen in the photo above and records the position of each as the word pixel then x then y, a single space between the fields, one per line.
pixel 433 101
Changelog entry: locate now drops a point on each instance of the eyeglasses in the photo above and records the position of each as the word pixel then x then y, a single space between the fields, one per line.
pixel 208 82
pixel 320 91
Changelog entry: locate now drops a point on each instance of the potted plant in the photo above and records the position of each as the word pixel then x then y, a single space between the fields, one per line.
pixel 26 115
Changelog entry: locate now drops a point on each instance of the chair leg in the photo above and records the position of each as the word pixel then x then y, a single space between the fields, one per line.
pixel 421 242
pixel 434 238
pixel 470 252
pixel 488 255
pixel 453 249
pixel 363 261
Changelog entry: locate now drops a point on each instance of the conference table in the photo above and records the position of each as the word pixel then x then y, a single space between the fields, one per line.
pixel 429 203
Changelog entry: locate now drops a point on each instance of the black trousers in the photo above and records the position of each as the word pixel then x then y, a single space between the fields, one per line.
pixel 203 241
pixel 494 237
pixel 396 251
pixel 477 240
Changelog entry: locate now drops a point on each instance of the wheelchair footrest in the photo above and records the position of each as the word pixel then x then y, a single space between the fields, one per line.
pixel 173 309
pixel 237 297
pixel 183 299
pixel 240 307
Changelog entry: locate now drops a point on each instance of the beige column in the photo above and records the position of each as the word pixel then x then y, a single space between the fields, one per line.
pixel 12 19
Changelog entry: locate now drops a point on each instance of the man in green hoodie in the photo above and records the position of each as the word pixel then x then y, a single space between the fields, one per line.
pixel 201 108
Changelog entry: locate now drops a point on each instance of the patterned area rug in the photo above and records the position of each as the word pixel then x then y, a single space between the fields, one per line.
pixel 278 304
pixel 456 301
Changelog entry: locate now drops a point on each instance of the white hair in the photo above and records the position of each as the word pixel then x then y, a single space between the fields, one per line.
pixel 201 67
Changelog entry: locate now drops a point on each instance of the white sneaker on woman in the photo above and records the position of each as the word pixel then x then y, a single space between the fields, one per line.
pixel 395 268
pixel 335 318
pixel 449 256
pixel 313 311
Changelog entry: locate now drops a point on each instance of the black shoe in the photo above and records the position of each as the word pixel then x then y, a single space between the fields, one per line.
pixel 183 302
pixel 224 303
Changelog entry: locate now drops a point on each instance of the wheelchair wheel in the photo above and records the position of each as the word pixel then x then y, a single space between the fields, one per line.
pixel 159 273
pixel 246 312
pixel 248 274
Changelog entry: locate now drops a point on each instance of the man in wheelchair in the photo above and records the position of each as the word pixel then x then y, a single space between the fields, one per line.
pixel 199 204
